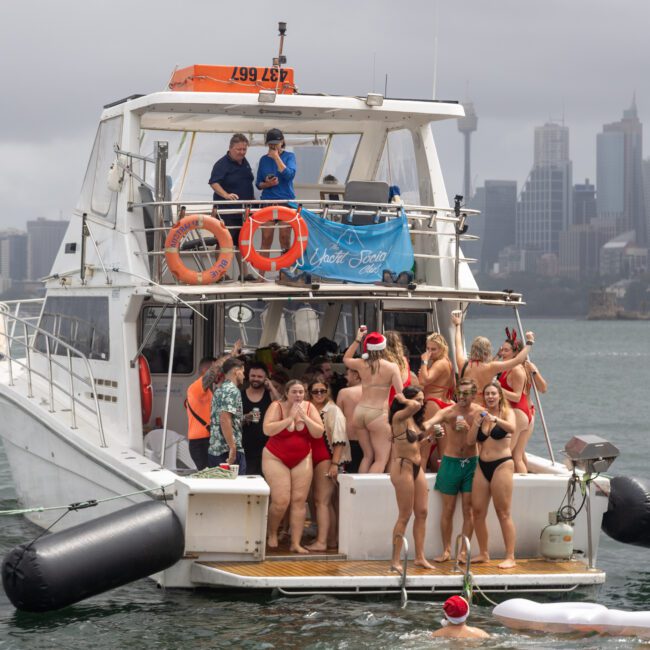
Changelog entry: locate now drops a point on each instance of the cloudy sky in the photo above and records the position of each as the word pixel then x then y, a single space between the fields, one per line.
pixel 522 63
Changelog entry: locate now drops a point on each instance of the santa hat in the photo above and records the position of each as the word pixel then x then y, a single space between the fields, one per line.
pixel 373 343
pixel 456 610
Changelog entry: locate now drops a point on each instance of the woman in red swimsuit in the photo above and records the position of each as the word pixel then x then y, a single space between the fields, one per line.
pixel 396 352
pixel 286 460
pixel 516 387
pixel 328 453
pixel 542 386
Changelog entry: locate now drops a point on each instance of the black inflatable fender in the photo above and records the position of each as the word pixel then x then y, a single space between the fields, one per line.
pixel 627 518
pixel 65 567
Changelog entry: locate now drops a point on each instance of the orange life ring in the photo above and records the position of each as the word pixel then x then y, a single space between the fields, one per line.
pixel 146 389
pixel 176 236
pixel 276 213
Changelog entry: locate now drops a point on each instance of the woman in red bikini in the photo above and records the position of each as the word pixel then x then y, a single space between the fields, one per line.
pixel 286 460
pixel 493 478
pixel 328 453
pixel 480 367
pixel 516 387
pixel 436 375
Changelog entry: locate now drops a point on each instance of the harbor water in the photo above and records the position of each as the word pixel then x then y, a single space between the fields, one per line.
pixel 598 374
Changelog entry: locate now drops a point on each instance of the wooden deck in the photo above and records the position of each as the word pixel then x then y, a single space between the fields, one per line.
pixel 335 573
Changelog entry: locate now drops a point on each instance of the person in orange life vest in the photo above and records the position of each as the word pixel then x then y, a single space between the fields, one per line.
pixel 198 403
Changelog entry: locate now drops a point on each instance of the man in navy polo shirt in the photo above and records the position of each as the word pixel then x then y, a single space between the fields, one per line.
pixel 232 180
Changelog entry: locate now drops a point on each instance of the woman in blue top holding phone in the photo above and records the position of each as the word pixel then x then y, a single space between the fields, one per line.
pixel 275 175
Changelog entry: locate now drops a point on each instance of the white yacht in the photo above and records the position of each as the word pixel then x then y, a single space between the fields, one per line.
pixel 73 385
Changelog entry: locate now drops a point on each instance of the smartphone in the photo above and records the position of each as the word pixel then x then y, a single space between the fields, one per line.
pixel 270 177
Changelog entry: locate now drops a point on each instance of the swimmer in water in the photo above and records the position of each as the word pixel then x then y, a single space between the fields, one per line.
pixel 456 611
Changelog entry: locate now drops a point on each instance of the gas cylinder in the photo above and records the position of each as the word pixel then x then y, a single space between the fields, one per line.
pixel 556 540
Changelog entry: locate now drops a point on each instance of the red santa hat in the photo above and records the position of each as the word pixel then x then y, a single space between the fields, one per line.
pixel 456 610
pixel 373 343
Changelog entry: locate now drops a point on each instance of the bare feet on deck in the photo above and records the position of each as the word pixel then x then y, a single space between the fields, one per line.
pixel 272 541
pixel 508 563
pixel 443 558
pixel 481 557
pixel 299 549
pixel 423 563
pixel 316 547
pixel 398 568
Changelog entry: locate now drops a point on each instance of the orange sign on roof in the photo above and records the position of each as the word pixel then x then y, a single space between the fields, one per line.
pixel 232 79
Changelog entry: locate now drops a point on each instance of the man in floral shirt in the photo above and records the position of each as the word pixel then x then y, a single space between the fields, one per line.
pixel 226 419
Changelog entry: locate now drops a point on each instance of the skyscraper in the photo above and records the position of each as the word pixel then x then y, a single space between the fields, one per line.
pixel 499 217
pixel 619 152
pixel 545 202
pixel 584 203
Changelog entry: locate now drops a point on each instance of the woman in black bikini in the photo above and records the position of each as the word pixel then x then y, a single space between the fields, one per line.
pixel 494 476
pixel 410 449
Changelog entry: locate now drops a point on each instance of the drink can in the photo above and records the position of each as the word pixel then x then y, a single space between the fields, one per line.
pixel 363 328
pixel 459 419
pixel 256 414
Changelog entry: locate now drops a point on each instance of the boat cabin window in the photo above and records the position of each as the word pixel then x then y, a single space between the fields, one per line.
pixel 95 198
pixel 297 322
pixel 339 158
pixel 398 165
pixel 192 155
pixel 79 321
pixel 414 327
pixel 158 346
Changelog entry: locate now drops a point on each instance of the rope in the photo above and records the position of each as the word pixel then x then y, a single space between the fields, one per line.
pixel 480 591
pixel 80 505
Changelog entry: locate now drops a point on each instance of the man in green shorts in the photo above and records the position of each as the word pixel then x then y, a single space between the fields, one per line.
pixel 459 461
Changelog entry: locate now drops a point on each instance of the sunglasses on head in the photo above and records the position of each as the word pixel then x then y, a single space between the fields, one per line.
pixel 319 391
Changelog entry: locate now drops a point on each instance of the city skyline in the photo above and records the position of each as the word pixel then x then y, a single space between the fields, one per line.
pixel 502 60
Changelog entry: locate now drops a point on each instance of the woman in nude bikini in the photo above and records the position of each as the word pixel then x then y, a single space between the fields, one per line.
pixel 493 478
pixel 479 366
pixel 286 460
pixel 371 414
pixel 410 448
pixel 329 452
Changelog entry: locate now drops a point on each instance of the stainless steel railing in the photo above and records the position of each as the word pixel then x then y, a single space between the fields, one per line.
pixel 424 222
pixel 24 335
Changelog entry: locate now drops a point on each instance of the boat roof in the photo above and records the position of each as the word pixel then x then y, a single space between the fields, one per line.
pixel 212 111
pixel 328 291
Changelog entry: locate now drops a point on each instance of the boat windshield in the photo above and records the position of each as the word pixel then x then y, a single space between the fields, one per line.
pixel 320 158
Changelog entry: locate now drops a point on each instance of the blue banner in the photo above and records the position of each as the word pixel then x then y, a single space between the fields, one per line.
pixel 356 253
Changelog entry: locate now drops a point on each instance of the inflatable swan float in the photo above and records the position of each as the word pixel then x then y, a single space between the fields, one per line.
pixel 523 614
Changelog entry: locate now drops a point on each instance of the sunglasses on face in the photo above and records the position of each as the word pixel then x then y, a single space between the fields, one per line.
pixel 319 391
pixel 465 393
